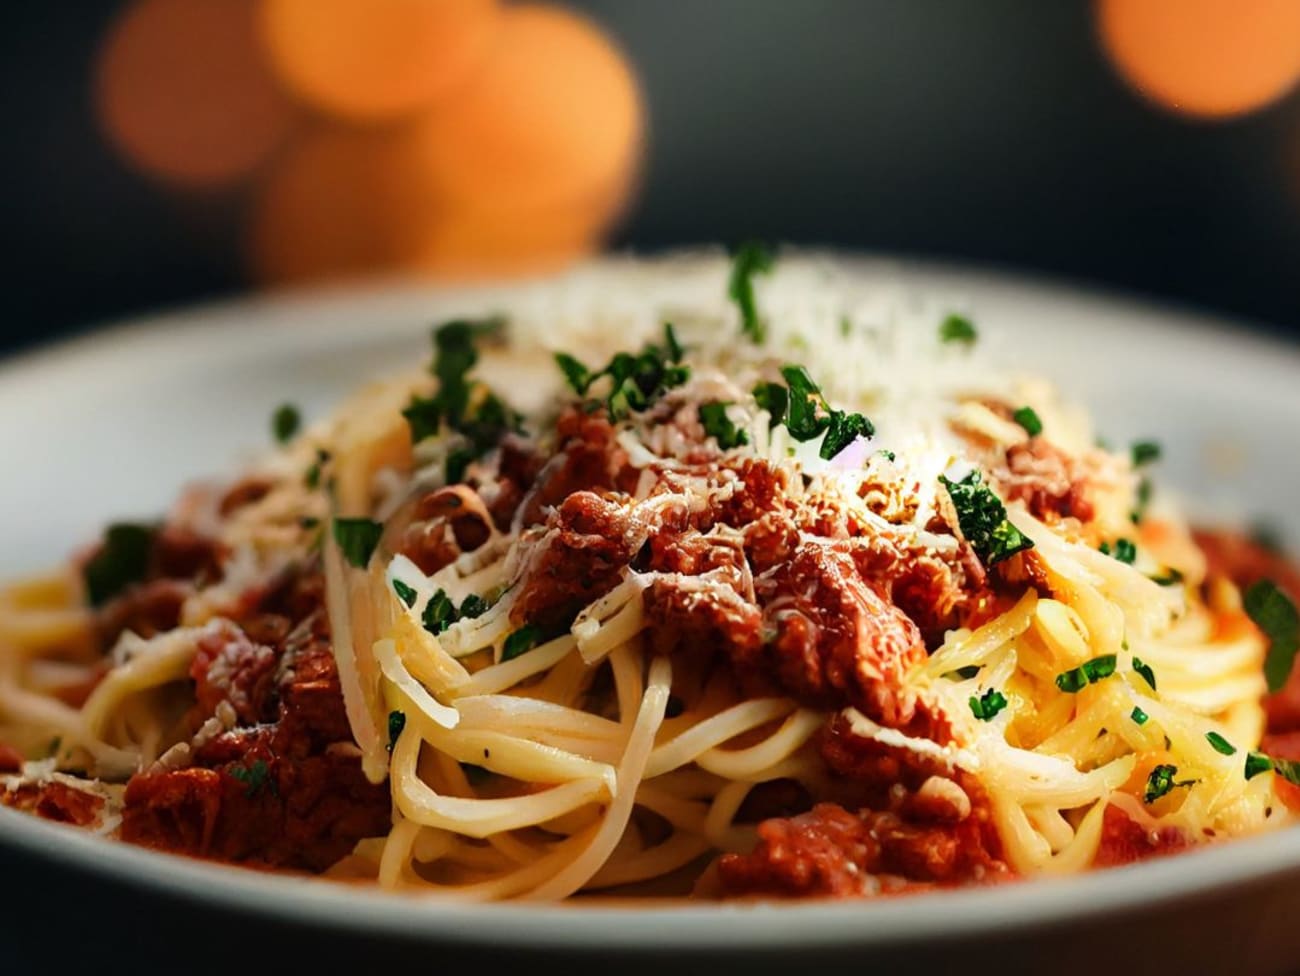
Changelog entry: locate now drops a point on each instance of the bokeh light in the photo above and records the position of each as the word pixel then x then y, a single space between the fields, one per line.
pixel 184 92
pixel 456 138
pixel 1207 58
pixel 555 113
pixel 374 60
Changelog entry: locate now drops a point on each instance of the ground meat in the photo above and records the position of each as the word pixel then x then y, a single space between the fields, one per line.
pixel 876 767
pixel 284 787
pixel 146 609
pixel 445 524
pixel 832 853
pixel 1124 840
pixel 700 616
pixel 229 666
pixel 588 458
pixel 242 493
pixel 55 800
pixel 834 640
pixel 1047 480
pixel 590 539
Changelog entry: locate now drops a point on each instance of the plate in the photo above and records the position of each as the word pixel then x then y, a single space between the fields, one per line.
pixel 113 424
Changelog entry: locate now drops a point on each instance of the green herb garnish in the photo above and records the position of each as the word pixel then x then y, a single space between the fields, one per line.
pixel 773 398
pixel 520 641
pixel 1170 577
pixel 720 427
pixel 357 537
pixel 396 722
pixel 474 606
pixel 844 429
pixel 1144 669
pixel 1274 614
pixel 1087 673
pixel 1220 744
pixel 983 519
pixel 405 593
pixel 285 422
pixel 1256 763
pixel 1161 781
pixel 749 259
pixel 988 704
pixel 957 328
pixel 1124 550
pixel 1027 417
pixel 635 381
pixel 1145 452
pixel 439 613
pixel 122 559
pixel 806 414
pixel 1138 716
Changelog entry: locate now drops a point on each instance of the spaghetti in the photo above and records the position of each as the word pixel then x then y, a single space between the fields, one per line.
pixel 782 615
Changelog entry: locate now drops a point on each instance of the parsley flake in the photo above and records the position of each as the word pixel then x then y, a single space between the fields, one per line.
pixel 1088 673
pixel 357 537
pixel 1124 550
pixel 1220 744
pixel 122 559
pixel 1144 453
pixel 405 593
pixel 1256 763
pixel 1161 781
pixel 806 414
pixel 396 723
pixel 987 705
pixel 635 381
pixel 1274 614
pixel 439 613
pixel 720 427
pixel 254 777
pixel 285 422
pixel 957 328
pixel 1144 669
pixel 750 258
pixel 1138 716
pixel 983 519
pixel 1027 417
pixel 520 641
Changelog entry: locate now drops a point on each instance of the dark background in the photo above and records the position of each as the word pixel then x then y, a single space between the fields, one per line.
pixel 993 132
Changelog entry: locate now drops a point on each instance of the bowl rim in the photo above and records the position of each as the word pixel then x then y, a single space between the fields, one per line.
pixel 956 914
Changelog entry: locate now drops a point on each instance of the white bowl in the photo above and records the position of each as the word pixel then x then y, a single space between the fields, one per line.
pixel 113 424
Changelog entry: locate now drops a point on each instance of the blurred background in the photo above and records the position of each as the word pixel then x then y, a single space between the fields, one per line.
pixel 168 151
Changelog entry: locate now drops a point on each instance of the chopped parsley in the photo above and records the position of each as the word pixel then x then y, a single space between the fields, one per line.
pixel 983 519
pixel 1144 669
pixel 254 777
pixel 749 259
pixel 1256 763
pixel 844 429
pixel 1161 781
pixel 773 398
pixel 1144 453
pixel 404 593
pixel 1274 614
pixel 635 381
pixel 963 674
pixel 474 606
pixel 1087 673
pixel 312 477
pixel 1138 716
pixel 1027 417
pixel 396 722
pixel 1124 550
pixel 520 641
pixel 806 414
pixel 957 328
pixel 1170 577
pixel 1288 769
pixel 464 406
pixel 122 559
pixel 285 422
pixel 987 705
pixel 1144 492
pixel 357 537
pixel 720 427
pixel 439 613
pixel 1221 745
pixel 888 455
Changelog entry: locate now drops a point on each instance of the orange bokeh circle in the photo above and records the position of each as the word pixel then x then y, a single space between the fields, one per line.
pixel 553 114
pixel 1208 58
pixel 183 91
pixel 375 60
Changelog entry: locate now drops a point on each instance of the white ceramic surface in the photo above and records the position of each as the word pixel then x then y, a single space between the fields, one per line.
pixel 113 424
